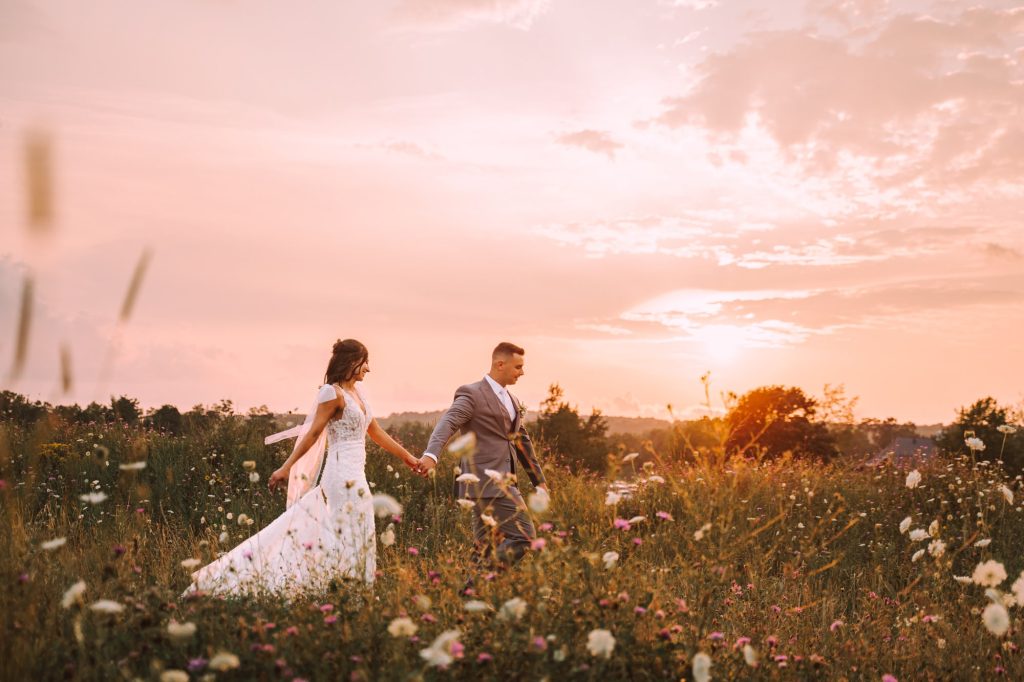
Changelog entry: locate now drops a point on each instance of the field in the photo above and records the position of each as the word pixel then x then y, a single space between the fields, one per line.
pixel 780 570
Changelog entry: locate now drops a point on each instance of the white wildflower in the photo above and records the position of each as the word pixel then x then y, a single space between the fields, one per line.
pixel 918 534
pixel 654 478
pixel 73 594
pixel 1018 589
pixel 465 442
pixel 254 477
pixel 402 627
pixel 905 525
pixel 975 444
pixel 630 457
pixel 701 667
pixel 476 606
pixel 612 498
pixel 936 548
pixel 750 655
pixel 488 520
pixel 1006 429
pixel 106 606
pixel 933 528
pixel 513 609
pixel 249 465
pixel 698 535
pixel 913 478
pixel 990 573
pixel 132 466
pixel 385 505
pixel 387 538
pixel 93 498
pixel 190 563
pixel 465 504
pixel 174 675
pixel 53 544
pixel 180 632
pixel 610 559
pixel 600 642
pixel 539 501
pixel 1007 494
pixel 917 555
pixel 963 579
pixel 494 475
pixel 996 619
pixel 468 478
pixel 224 661
pixel 637 519
pixel 439 653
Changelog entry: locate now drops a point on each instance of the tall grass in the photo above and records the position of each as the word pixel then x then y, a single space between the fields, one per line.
pixel 805 561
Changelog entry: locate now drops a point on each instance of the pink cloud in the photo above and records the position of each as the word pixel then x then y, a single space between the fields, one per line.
pixel 901 100
pixel 597 141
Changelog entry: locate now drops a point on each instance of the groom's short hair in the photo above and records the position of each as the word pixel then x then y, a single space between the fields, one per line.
pixel 506 349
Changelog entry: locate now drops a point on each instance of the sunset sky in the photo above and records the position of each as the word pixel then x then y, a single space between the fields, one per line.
pixel 638 192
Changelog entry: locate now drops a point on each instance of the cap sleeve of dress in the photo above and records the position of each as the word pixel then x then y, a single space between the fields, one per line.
pixel 327 393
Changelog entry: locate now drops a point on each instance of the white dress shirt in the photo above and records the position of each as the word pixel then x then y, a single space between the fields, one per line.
pixel 503 397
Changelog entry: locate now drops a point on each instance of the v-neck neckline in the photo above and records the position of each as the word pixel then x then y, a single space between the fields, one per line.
pixel 358 400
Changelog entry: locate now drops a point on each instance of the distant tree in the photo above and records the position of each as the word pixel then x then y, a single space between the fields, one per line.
pixel 94 412
pixel 125 409
pixel 777 419
pixel 567 435
pixel 983 420
pixel 21 410
pixel 261 418
pixel 165 418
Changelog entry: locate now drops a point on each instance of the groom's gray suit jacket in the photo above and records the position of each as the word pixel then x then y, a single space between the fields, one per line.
pixel 500 441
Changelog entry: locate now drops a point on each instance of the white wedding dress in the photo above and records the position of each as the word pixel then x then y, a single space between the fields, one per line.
pixel 328 533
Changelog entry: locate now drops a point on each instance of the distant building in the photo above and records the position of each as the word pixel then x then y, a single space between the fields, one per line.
pixel 905 452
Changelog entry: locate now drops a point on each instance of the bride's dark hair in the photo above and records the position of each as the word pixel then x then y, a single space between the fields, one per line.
pixel 346 359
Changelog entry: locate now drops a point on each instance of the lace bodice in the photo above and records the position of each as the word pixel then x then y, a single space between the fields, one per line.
pixel 352 424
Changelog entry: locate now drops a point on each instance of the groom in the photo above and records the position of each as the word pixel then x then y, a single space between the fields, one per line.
pixel 495 417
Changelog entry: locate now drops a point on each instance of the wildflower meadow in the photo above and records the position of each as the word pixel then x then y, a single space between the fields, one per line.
pixel 708 568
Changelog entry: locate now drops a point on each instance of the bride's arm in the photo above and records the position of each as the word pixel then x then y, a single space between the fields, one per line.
pixel 381 438
pixel 324 412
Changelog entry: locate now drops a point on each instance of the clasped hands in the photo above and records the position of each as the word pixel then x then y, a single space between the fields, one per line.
pixel 422 466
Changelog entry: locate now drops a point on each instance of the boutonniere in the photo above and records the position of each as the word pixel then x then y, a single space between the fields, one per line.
pixel 522 410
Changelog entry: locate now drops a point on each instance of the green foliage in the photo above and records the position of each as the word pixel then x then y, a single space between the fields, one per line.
pixel 983 419
pixel 777 551
pixel 774 420
pixel 805 559
pixel 568 436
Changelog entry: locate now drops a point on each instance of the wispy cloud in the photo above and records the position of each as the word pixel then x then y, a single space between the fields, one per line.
pixel 459 14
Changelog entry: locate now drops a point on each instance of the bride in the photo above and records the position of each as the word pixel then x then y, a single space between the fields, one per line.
pixel 327 531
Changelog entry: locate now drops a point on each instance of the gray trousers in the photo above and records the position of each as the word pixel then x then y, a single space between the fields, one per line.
pixel 510 537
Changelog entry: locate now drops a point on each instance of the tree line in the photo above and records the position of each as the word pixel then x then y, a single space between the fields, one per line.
pixel 768 422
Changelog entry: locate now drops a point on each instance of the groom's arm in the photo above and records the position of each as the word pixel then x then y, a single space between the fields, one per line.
pixel 528 458
pixel 454 419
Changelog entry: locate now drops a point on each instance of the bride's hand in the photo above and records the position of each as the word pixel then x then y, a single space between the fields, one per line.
pixel 279 477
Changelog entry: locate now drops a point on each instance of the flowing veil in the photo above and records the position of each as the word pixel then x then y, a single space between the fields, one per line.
pixel 304 471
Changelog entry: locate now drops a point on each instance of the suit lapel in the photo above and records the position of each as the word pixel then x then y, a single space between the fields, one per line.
pixel 496 406
pixel 515 406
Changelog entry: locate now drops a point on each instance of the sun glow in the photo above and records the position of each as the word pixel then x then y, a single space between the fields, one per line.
pixel 722 342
